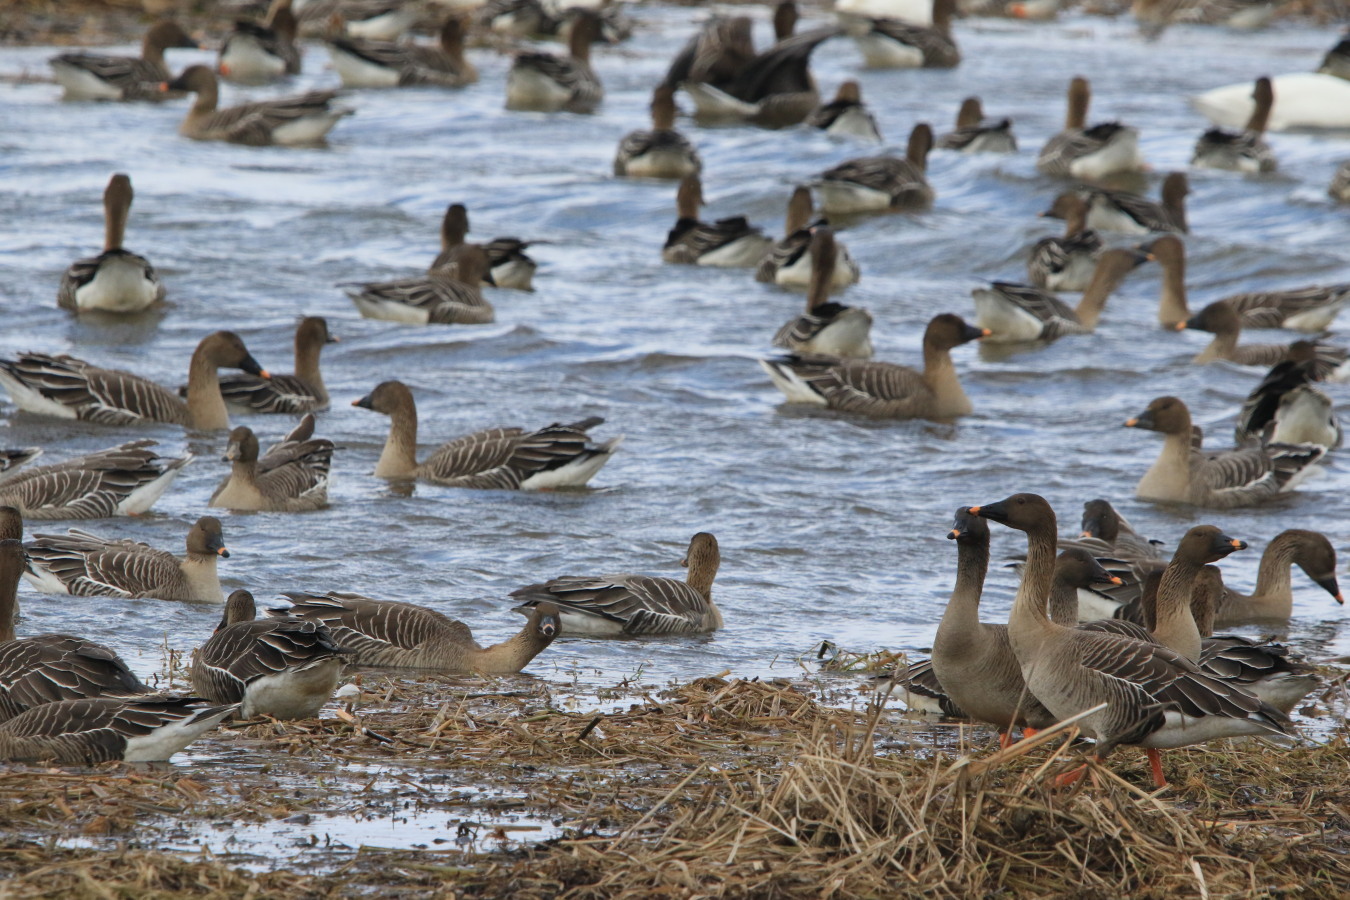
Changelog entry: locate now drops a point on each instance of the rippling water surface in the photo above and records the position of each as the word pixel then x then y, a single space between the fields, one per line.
pixel 832 528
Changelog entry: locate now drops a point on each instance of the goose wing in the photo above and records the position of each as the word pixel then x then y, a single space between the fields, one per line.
pixel 91 566
pixel 801 330
pixel 296 469
pixel 279 394
pixel 1262 403
pixel 694 238
pixel 87 487
pixel 254 123
pixel 961 138
pixel 918 678
pixel 1144 211
pixel 860 386
pixel 119 71
pixel 1269 309
pixel 879 173
pixel 936 45
pixel 372 629
pixel 236 656
pixel 483 453
pixel 1052 255
pixel 1061 150
pixel 642 604
pixel 106 396
pixel 13 457
pixel 782 69
pixel 99 730
pixel 48 668
pixel 446 299
pixel 1059 318
pixel 1240 477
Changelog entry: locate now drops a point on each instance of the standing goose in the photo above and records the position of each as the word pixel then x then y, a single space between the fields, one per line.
pixel 1272 600
pixel 1016 313
pixel 1092 153
pixel 1243 151
pixel 70 388
pixel 881 183
pixel 280 667
pixel 1132 214
pixel 1067 263
pixel 791 261
pixel 894 44
pixel 508 264
pixel 366 63
pixel 406 636
pixel 85 565
pixel 826 328
pixel 1222 320
pixel 632 605
pixel 304 119
pixel 1184 473
pixel 116 280
pixel 773 90
pixel 879 389
pixel 555 456
pixel 546 83
pixel 726 243
pixel 88 76
pixel 1153 697
pixel 661 152
pixel 125 480
pixel 846 115
pixel 87 732
pixel 301 392
pixel 972 135
pixel 449 295
pixel 292 477
pixel 261 53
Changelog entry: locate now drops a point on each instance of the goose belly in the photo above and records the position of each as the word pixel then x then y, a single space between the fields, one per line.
pixel 854 123
pixel 297 693
pixel 1227 159
pixel 742 252
pixel 798 274
pixel 1106 217
pixel 359 72
pixel 1182 731
pixel 167 740
pixel 1120 154
pixel 42 579
pixel 120 285
pixel 308 129
pixel 531 90
pixel 235 496
pixel 244 62
pixel 881 52
pixel 850 335
pixel 662 163
pixel 516 274
pixel 27 398
pixel 845 197
pixel 1007 322
pixel 1308 420
pixel 390 310
pixel 791 384
pixel 1313 320
pixel 81 84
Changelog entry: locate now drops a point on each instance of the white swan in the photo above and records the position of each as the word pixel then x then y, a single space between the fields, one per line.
pixel 1302 100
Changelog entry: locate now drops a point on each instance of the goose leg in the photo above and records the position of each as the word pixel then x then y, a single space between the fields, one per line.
pixel 1155 763
pixel 1071 777
pixel 1029 732
pixel 1005 739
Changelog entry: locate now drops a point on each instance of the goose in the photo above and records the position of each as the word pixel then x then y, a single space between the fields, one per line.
pixel 1310 309
pixel 1014 313
pixel 517 18
pixel 879 389
pixel 543 82
pixel 1302 100
pixel 85 565
pixel 49 668
pixel 661 152
pixel 1155 15
pixel 1154 697
pixel 379 20
pixel 634 605
pixel 725 243
pixel 846 116
pixel 1222 320
pixel 1131 214
pixel 303 119
pixel 1101 521
pixel 88 76
pixel 125 480
pixel 445 296
pixel 116 280
pixel 285 668
pixel 1067 263
pixel 972 135
pixel 1242 151
pixel 1185 473
pixel 791 261
pixel 13 457
pixel 715 55
pixel 1339 189
pixel 261 53
pixel 1337 60
pixel 895 44
pixel 555 456
pixel 881 183
pixel 301 392
pixel 387 633
pixel 70 388
pixel 87 732
pixel 826 328
pixel 1272 600
pixel 291 477
pixel 367 63
pixel 775 89
pixel 509 265
pixel 1285 409
pixel 1093 153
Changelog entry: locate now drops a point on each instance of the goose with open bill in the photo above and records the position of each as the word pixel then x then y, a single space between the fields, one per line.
pixel 448 295
pixel 1241 151
pixel 92 76
pixel 368 63
pixel 725 243
pixel 826 328
pixel 125 480
pixel 1222 320
pixel 543 82
pixel 508 264
pixel 1066 263
pixel 791 262
pixel 287 121
pixel 116 280
pixel 881 183
pixel 1093 153
pixel 973 135
pixel 661 151
pixel 291 477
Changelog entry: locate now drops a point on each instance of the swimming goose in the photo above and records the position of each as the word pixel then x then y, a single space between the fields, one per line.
pixel 773 90
pixel 1154 697
pixel 1339 189
pixel 973 136
pixel 291 477
pixel 1242 151
pixel 1015 313
pixel 555 456
pixel 879 389
pixel 89 76
pixel 1221 320
pixel 1132 214
pixel 445 296
pixel 791 262
pixel 1067 263
pixel 1285 409
pixel 726 243
pixel 632 605
pixel 508 263
pixel 261 53
pixel 304 119
pixel 546 83
pixel 661 152
pixel 1093 153
pixel 715 55
pixel 125 480
pixel 894 44
pixel 1184 473
pixel 919 12
pixel 846 115
pixel 1103 522
pixel 70 388
pixel 116 280
pixel 1337 60
pixel 826 328
pixel 85 565
pixel 1302 100
pixel 881 183
pixel 290 394
pixel 1310 309
pixel 1272 600
pixel 378 20
pixel 407 636
pixel 285 668
pixel 86 732
pixel 362 62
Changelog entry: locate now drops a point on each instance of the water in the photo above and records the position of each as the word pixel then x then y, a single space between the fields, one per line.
pixel 831 527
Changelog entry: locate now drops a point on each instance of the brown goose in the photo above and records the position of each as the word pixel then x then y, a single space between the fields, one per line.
pixel 70 388
pixel 547 83
pixel 894 44
pixel 125 480
pixel 775 89
pixel 301 392
pixel 555 456
pixel 448 295
pixel 881 183
pixel 406 636
pixel 86 732
pixel 88 76
pixel 1067 263
pixel 661 152
pixel 880 389
pixel 791 262
pixel 280 667
pixel 1132 214
pixel 1241 151
pixel 629 605
pixel 291 477
pixel 85 565
pixel 1222 320
pixel 1272 600
pixel 726 243
pixel 1286 408
pixel 972 135
pixel 116 280
pixel 826 328
pixel 261 52
pixel 304 119
pixel 368 63
pixel 13 457
pixel 846 115
pixel 715 55
pixel 508 263
pixel 1089 154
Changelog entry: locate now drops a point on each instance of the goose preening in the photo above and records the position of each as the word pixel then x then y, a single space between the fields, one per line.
pixel 661 151
pixel 1222 320
pixel 86 732
pixel 896 44
pixel 90 76
pixel 826 328
pixel 1272 600
pixel 1301 100
pixel 881 183
pixel 1285 408
pixel 1132 214
pixel 387 633
pixel 1066 263
pixel 1089 153
pixel 449 295
pixel 543 82
pixel 880 389
pixel 286 668
pixel 368 63
pixel 974 135
pixel 85 565
pixel 508 264
pixel 775 89
pixel 301 392
pixel 304 119
pixel 1016 313
pixel 846 115
pixel 70 388
pixel 791 261
pixel 632 605
pixel 1339 189
pixel 291 477
pixel 1185 473
pixel 1241 151
pixel 555 456
pixel 116 280
pixel 125 480
pixel 260 53
pixel 726 243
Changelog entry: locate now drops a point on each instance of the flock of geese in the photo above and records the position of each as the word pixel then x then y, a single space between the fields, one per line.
pixel 1145 668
